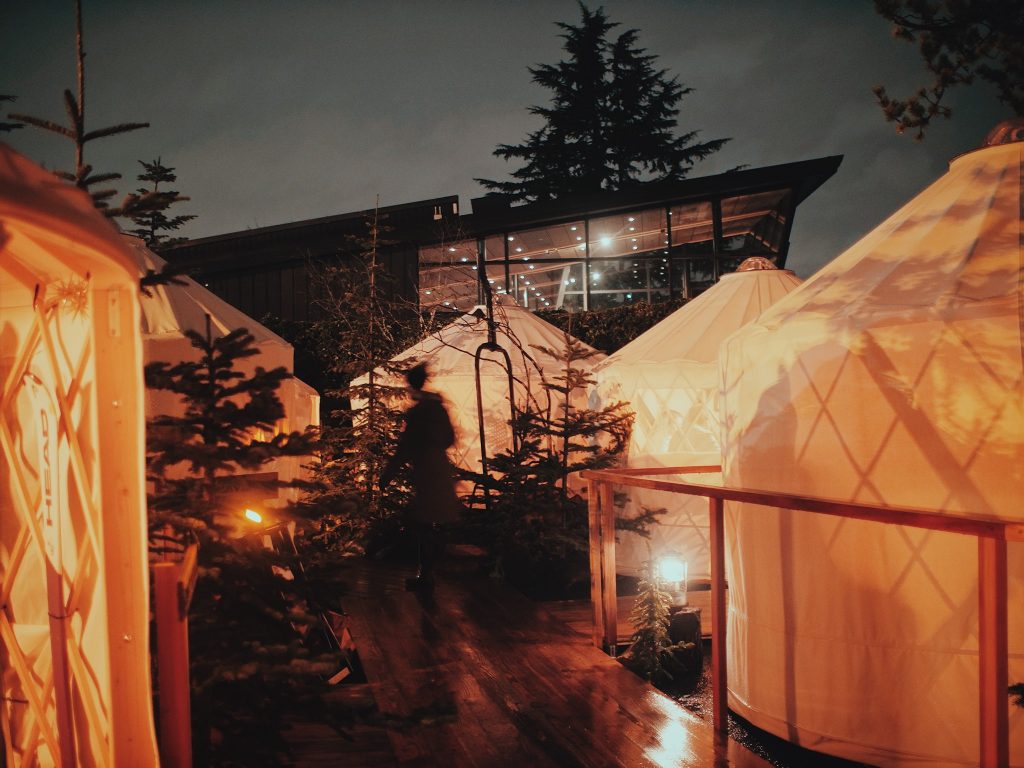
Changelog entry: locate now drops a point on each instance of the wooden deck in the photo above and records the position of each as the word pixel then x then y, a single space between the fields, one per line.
pixel 481 676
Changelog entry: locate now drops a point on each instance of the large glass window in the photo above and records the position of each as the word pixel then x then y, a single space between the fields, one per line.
pixel 614 282
pixel 628 234
pixel 754 224
pixel 453 252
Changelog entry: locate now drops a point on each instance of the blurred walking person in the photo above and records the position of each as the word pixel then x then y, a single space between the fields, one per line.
pixel 423 445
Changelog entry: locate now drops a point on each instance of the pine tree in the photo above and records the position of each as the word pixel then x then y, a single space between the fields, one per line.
pixel 533 518
pixel 249 629
pixel 651 653
pixel 152 222
pixel 83 176
pixel 362 324
pixel 610 123
pixel 959 43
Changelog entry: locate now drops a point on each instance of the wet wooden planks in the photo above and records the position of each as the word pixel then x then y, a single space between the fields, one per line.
pixel 481 676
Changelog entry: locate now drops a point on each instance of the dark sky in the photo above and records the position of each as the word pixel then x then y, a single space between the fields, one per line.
pixel 280 111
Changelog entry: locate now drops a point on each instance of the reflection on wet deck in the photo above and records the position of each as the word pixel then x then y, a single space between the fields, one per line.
pixel 481 676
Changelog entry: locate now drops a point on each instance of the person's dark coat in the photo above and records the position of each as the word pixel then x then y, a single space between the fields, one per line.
pixel 423 444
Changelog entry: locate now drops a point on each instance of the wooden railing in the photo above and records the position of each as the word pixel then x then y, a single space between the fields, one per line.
pixel 992 535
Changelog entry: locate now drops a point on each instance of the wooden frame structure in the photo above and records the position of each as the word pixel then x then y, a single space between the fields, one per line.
pixel 992 535
pixel 70 707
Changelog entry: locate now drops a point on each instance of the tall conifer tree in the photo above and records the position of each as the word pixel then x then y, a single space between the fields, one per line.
pixel 610 123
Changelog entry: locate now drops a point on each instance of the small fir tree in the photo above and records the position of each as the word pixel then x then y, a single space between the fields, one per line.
pixel 533 518
pixel 152 224
pixel 249 629
pixel 651 653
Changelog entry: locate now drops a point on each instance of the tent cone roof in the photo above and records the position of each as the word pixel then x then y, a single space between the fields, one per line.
pixel 175 308
pixel 894 376
pixel 449 354
pixel 449 351
pixel 696 330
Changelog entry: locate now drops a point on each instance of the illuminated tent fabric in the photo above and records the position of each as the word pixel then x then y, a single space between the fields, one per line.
pixel 669 375
pixel 173 309
pixel 893 376
pixel 72 485
pixel 449 354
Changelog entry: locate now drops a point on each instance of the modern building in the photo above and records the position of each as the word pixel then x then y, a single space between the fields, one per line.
pixel 646 243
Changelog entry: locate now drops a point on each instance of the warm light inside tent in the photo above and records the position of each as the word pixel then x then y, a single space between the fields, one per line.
pixel 253 516
pixel 672 570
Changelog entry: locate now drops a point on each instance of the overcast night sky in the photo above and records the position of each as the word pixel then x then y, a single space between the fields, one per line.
pixel 280 111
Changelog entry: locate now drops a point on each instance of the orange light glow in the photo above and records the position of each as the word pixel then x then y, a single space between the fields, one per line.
pixel 253 516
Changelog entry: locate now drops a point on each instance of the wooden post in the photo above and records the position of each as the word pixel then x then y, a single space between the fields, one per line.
pixel 993 649
pixel 173 584
pixel 596 566
pixel 719 678
pixel 610 603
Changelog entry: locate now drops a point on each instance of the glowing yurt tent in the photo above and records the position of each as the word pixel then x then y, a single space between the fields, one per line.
pixel 891 377
pixel 173 309
pixel 669 375
pixel 74 623
pixel 449 354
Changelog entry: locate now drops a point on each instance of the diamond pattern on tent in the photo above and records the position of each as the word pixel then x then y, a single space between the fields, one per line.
pixel 895 376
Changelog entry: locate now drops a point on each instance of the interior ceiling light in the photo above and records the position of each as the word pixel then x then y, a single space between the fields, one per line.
pixel 632 229
pixel 511 238
pixel 519 249
pixel 630 219
pixel 636 247
pixel 596 276
pixel 531 266
pixel 465 259
pixel 606 241
pixel 527 258
pixel 573 228
pixel 578 238
pixel 634 239
pixel 428 293
pixel 451 250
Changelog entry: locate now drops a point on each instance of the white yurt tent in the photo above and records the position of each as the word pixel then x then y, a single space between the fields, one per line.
pixel 173 309
pixel 449 354
pixel 894 377
pixel 74 621
pixel 669 375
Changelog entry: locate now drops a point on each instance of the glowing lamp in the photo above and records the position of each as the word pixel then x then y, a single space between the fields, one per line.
pixel 253 516
pixel 672 571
